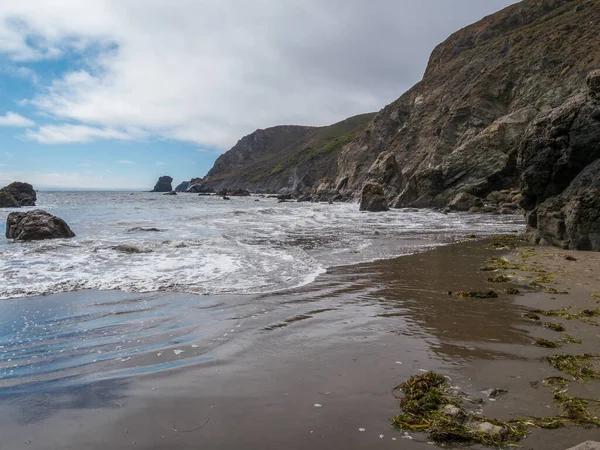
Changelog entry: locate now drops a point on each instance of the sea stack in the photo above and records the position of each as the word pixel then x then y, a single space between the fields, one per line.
pixel 17 194
pixel 163 184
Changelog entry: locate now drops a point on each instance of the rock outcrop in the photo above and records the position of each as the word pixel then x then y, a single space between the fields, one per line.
pixel 163 184
pixel 286 158
pixel 17 194
pixel 35 226
pixel 182 187
pixel 373 198
pixel 559 161
pixel 459 129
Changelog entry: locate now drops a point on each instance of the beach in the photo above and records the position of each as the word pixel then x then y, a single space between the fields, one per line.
pixel 314 366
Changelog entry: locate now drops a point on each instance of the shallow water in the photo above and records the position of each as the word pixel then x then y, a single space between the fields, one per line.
pixel 206 245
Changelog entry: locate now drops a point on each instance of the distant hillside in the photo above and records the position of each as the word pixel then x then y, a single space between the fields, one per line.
pixel 286 157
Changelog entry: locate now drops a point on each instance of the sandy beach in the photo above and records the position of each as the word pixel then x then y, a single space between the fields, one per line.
pixel 315 367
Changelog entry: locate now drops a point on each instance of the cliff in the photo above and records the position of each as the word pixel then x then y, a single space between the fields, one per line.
pixel 289 157
pixel 502 121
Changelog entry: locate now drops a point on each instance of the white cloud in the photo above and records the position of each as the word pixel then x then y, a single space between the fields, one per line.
pixel 160 163
pixel 65 134
pixel 209 72
pixel 49 180
pixel 125 161
pixel 11 119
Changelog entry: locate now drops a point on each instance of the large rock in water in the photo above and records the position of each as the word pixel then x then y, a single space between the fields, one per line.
pixel 182 187
pixel 559 161
pixel 373 198
pixel 163 184
pixel 17 194
pixel 35 226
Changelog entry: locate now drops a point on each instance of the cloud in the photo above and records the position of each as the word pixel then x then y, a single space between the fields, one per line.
pixel 125 161
pixel 209 72
pixel 58 179
pixel 9 155
pixel 160 163
pixel 11 119
pixel 65 134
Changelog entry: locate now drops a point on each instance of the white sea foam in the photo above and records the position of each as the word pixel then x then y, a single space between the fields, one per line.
pixel 207 246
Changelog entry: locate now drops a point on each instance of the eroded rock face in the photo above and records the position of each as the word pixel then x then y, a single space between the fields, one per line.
pixel 373 198
pixel 163 184
pixel 464 202
pixel 560 172
pixel 36 225
pixel 17 194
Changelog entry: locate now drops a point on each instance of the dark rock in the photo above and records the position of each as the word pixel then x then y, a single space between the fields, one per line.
pixel 559 161
pixel 144 229
pixel 464 202
pixel 163 184
pixel 171 193
pixel 36 225
pixel 131 249
pixel 475 210
pixel 593 81
pixel 17 194
pixel 285 197
pixel 373 198
pixel 226 198
pixel 305 198
pixel 199 186
pixel 240 193
pixel 183 186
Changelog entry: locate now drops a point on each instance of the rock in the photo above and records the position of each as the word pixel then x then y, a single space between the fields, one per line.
pixel 183 186
pixel 373 198
pixel 144 229
pixel 171 193
pixel 305 198
pixel 131 249
pixel 593 81
pixel 163 184
pixel 559 160
pixel 488 428
pixel 199 186
pixel 36 225
pixel 475 210
pixel 452 411
pixel 285 197
pixel 589 445
pixel 385 172
pixel 512 206
pixel 240 193
pixel 464 202
pixel 17 194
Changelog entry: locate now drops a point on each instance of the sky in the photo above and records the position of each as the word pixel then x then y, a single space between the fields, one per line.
pixel 111 94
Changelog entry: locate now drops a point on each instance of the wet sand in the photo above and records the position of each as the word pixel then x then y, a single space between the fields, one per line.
pixel 311 368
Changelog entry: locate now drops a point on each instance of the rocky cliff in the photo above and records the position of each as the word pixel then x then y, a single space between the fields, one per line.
pixel 292 158
pixel 503 107
pixel 459 129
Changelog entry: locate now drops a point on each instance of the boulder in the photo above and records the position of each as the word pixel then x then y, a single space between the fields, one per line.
pixel 589 445
pixel 163 184
pixel 373 198
pixel 464 202
pixel 240 193
pixel 36 225
pixel 199 186
pixel 17 194
pixel 170 193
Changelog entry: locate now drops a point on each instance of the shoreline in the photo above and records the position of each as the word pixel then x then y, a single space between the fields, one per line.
pixel 342 342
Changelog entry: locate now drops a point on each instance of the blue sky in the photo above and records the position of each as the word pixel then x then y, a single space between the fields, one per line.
pixel 111 94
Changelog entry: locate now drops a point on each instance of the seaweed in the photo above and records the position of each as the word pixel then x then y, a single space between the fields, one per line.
pixel 568 339
pixel 578 366
pixel 541 342
pixel 424 409
pixel 554 326
pixel 477 294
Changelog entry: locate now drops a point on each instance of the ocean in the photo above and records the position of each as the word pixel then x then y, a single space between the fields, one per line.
pixel 147 242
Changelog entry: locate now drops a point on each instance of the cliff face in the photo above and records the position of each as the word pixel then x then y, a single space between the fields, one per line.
pixel 293 158
pixel 459 129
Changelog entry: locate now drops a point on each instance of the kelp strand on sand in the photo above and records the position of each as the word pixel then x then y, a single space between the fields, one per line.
pixel 430 405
